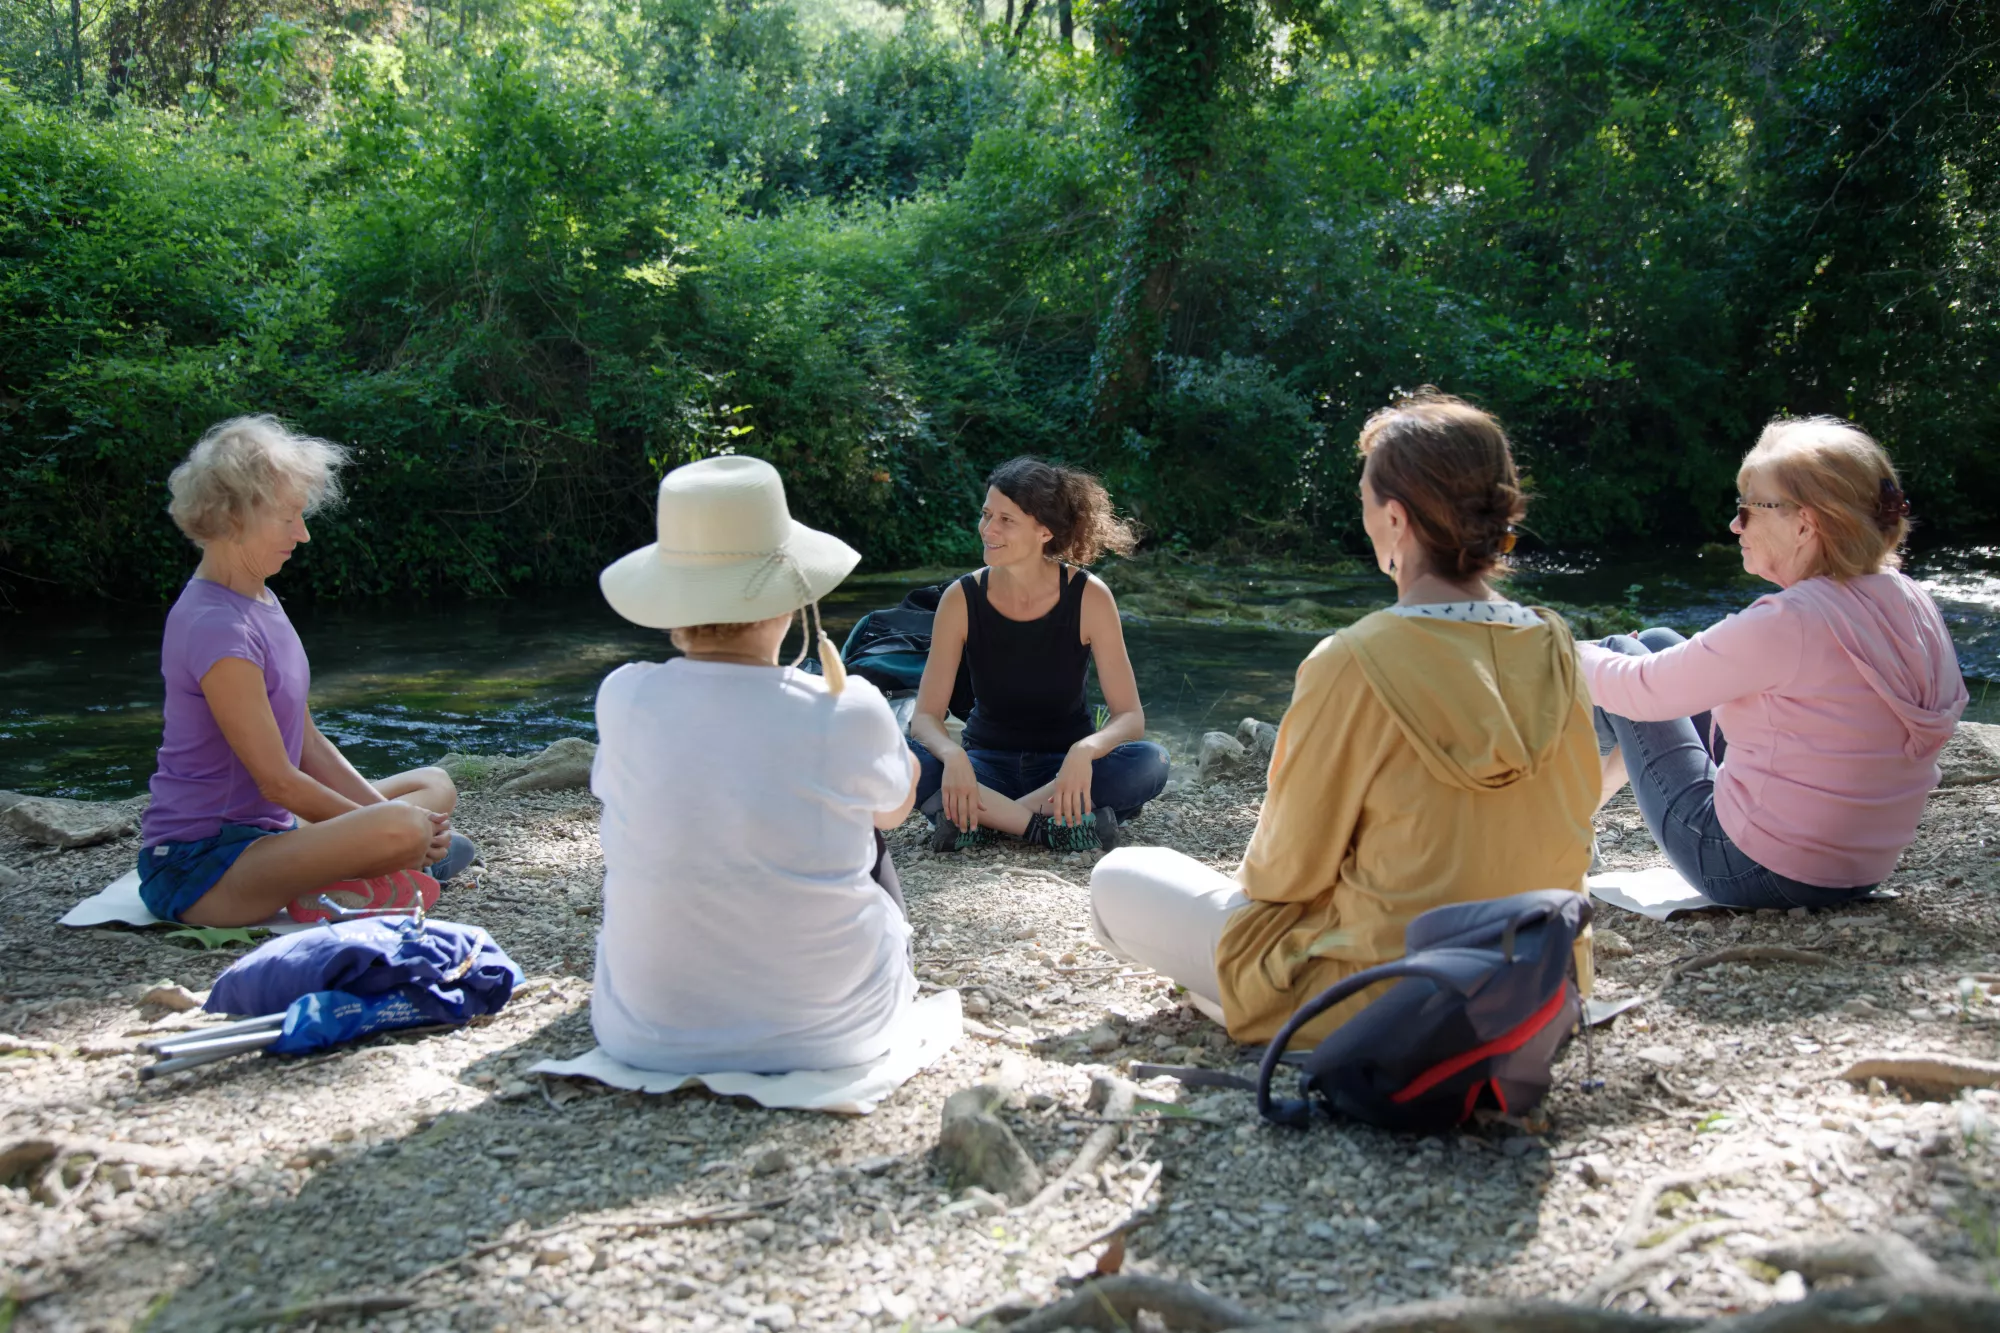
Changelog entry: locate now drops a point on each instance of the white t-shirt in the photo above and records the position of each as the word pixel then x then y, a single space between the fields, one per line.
pixel 742 929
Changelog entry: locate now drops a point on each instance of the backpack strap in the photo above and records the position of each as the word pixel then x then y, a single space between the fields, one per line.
pixel 1297 1111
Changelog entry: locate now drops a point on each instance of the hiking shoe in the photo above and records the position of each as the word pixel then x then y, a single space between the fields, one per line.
pixel 1045 832
pixel 1108 835
pixel 399 892
pixel 463 852
pixel 949 837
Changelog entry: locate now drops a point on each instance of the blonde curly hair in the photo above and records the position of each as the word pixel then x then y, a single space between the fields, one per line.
pixel 247 464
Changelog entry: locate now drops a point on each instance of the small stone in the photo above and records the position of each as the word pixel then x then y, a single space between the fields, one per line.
pixel 1259 738
pixel 563 766
pixel 514 1089
pixel 1860 1006
pixel 760 1228
pixel 681 1289
pixel 776 1317
pixel 1788 1288
pixel 770 1162
pixel 551 1254
pixel 1102 1039
pixel 875 1166
pixel 124 1177
pixel 975 1005
pixel 1220 752
pixel 1596 1169
pixel 65 824
pixel 179 999
pixel 1659 1055
pixel 1609 944
pixel 11 878
pixel 1039 1101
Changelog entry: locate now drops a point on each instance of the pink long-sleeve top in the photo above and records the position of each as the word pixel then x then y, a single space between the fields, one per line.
pixel 1836 700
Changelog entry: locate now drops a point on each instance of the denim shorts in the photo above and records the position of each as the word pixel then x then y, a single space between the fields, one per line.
pixel 173 876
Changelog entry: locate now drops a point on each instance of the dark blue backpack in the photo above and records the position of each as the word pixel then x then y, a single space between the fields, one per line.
pixel 1487 994
pixel 888 648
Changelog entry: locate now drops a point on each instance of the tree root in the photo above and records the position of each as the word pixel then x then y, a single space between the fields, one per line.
pixel 1498 1316
pixel 1117 1096
pixel 337 1307
pixel 1621 1272
pixel 1886 1255
pixel 1112 1305
pixel 1641 1218
pixel 1878 1305
pixel 1931 1071
pixel 41 1162
pixel 1871 1307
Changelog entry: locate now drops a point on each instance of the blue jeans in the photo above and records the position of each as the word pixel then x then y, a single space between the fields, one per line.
pixel 1125 779
pixel 1672 766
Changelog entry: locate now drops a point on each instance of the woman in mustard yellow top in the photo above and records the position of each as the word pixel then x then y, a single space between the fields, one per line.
pixel 1439 751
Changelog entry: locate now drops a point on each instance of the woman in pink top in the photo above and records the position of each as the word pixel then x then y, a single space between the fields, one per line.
pixel 1836 693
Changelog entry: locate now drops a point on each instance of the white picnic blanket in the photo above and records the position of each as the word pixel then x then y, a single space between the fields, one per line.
pixel 928 1029
pixel 118 903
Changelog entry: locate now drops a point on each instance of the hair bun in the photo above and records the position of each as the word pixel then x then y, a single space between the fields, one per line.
pixel 1892 507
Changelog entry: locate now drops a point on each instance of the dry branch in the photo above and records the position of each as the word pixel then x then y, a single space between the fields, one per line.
pixel 700 1217
pixel 1931 1071
pixel 337 1307
pixel 1118 1095
pixel 1498 1316
pixel 1743 953
pixel 1112 1305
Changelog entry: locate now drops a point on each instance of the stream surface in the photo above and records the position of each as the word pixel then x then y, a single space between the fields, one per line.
pixel 397 686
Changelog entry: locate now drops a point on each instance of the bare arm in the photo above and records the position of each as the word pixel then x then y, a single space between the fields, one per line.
pixel 1068 796
pixel 321 760
pixel 234 689
pixel 1105 634
pixel 940 675
pixel 888 819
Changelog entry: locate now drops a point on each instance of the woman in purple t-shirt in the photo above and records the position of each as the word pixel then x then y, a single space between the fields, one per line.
pixel 254 811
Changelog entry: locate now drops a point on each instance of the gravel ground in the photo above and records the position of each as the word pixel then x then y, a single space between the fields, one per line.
pixel 430 1173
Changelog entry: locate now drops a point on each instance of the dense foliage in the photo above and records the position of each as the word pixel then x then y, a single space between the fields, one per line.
pixel 527 254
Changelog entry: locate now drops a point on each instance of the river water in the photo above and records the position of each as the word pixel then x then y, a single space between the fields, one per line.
pixel 397 686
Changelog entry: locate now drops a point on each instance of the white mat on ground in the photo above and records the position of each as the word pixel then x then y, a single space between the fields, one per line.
pixel 1660 891
pixel 929 1029
pixel 118 903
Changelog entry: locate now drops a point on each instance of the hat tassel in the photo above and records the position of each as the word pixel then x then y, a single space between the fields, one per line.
pixel 831 668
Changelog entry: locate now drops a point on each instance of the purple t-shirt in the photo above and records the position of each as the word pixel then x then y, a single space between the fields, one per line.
pixel 200 784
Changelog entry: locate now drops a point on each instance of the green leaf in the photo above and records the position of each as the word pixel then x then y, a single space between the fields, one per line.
pixel 216 937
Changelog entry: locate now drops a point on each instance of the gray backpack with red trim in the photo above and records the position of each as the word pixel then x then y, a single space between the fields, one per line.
pixel 1485 994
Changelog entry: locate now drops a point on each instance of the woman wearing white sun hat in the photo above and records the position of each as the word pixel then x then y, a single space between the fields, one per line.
pixel 752 919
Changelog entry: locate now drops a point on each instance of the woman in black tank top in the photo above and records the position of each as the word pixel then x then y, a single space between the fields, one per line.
pixel 1030 624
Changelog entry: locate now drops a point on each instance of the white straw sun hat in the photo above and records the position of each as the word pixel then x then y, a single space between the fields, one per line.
pixel 729 552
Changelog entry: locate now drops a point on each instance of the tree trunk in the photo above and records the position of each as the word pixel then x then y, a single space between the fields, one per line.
pixel 1066 23
pixel 76 44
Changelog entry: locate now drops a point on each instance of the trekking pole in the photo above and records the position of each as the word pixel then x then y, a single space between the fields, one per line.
pixel 201 1053
pixel 161 1045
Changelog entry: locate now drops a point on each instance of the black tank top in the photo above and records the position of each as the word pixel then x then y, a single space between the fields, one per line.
pixel 1027 675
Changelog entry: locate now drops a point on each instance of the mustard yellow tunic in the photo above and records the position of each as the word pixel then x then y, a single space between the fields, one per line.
pixel 1422 762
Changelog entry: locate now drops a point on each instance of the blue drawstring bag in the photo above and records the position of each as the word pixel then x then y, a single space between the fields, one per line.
pixel 435 971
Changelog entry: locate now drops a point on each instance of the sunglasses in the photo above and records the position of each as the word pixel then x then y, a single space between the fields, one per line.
pixel 1743 507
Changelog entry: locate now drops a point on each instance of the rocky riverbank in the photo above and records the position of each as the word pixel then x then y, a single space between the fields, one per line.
pixel 427 1182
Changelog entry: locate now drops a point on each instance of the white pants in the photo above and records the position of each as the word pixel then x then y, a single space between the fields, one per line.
pixel 1157 908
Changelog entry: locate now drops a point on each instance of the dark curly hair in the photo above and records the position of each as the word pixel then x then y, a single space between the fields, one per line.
pixel 1072 505
pixel 1453 469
